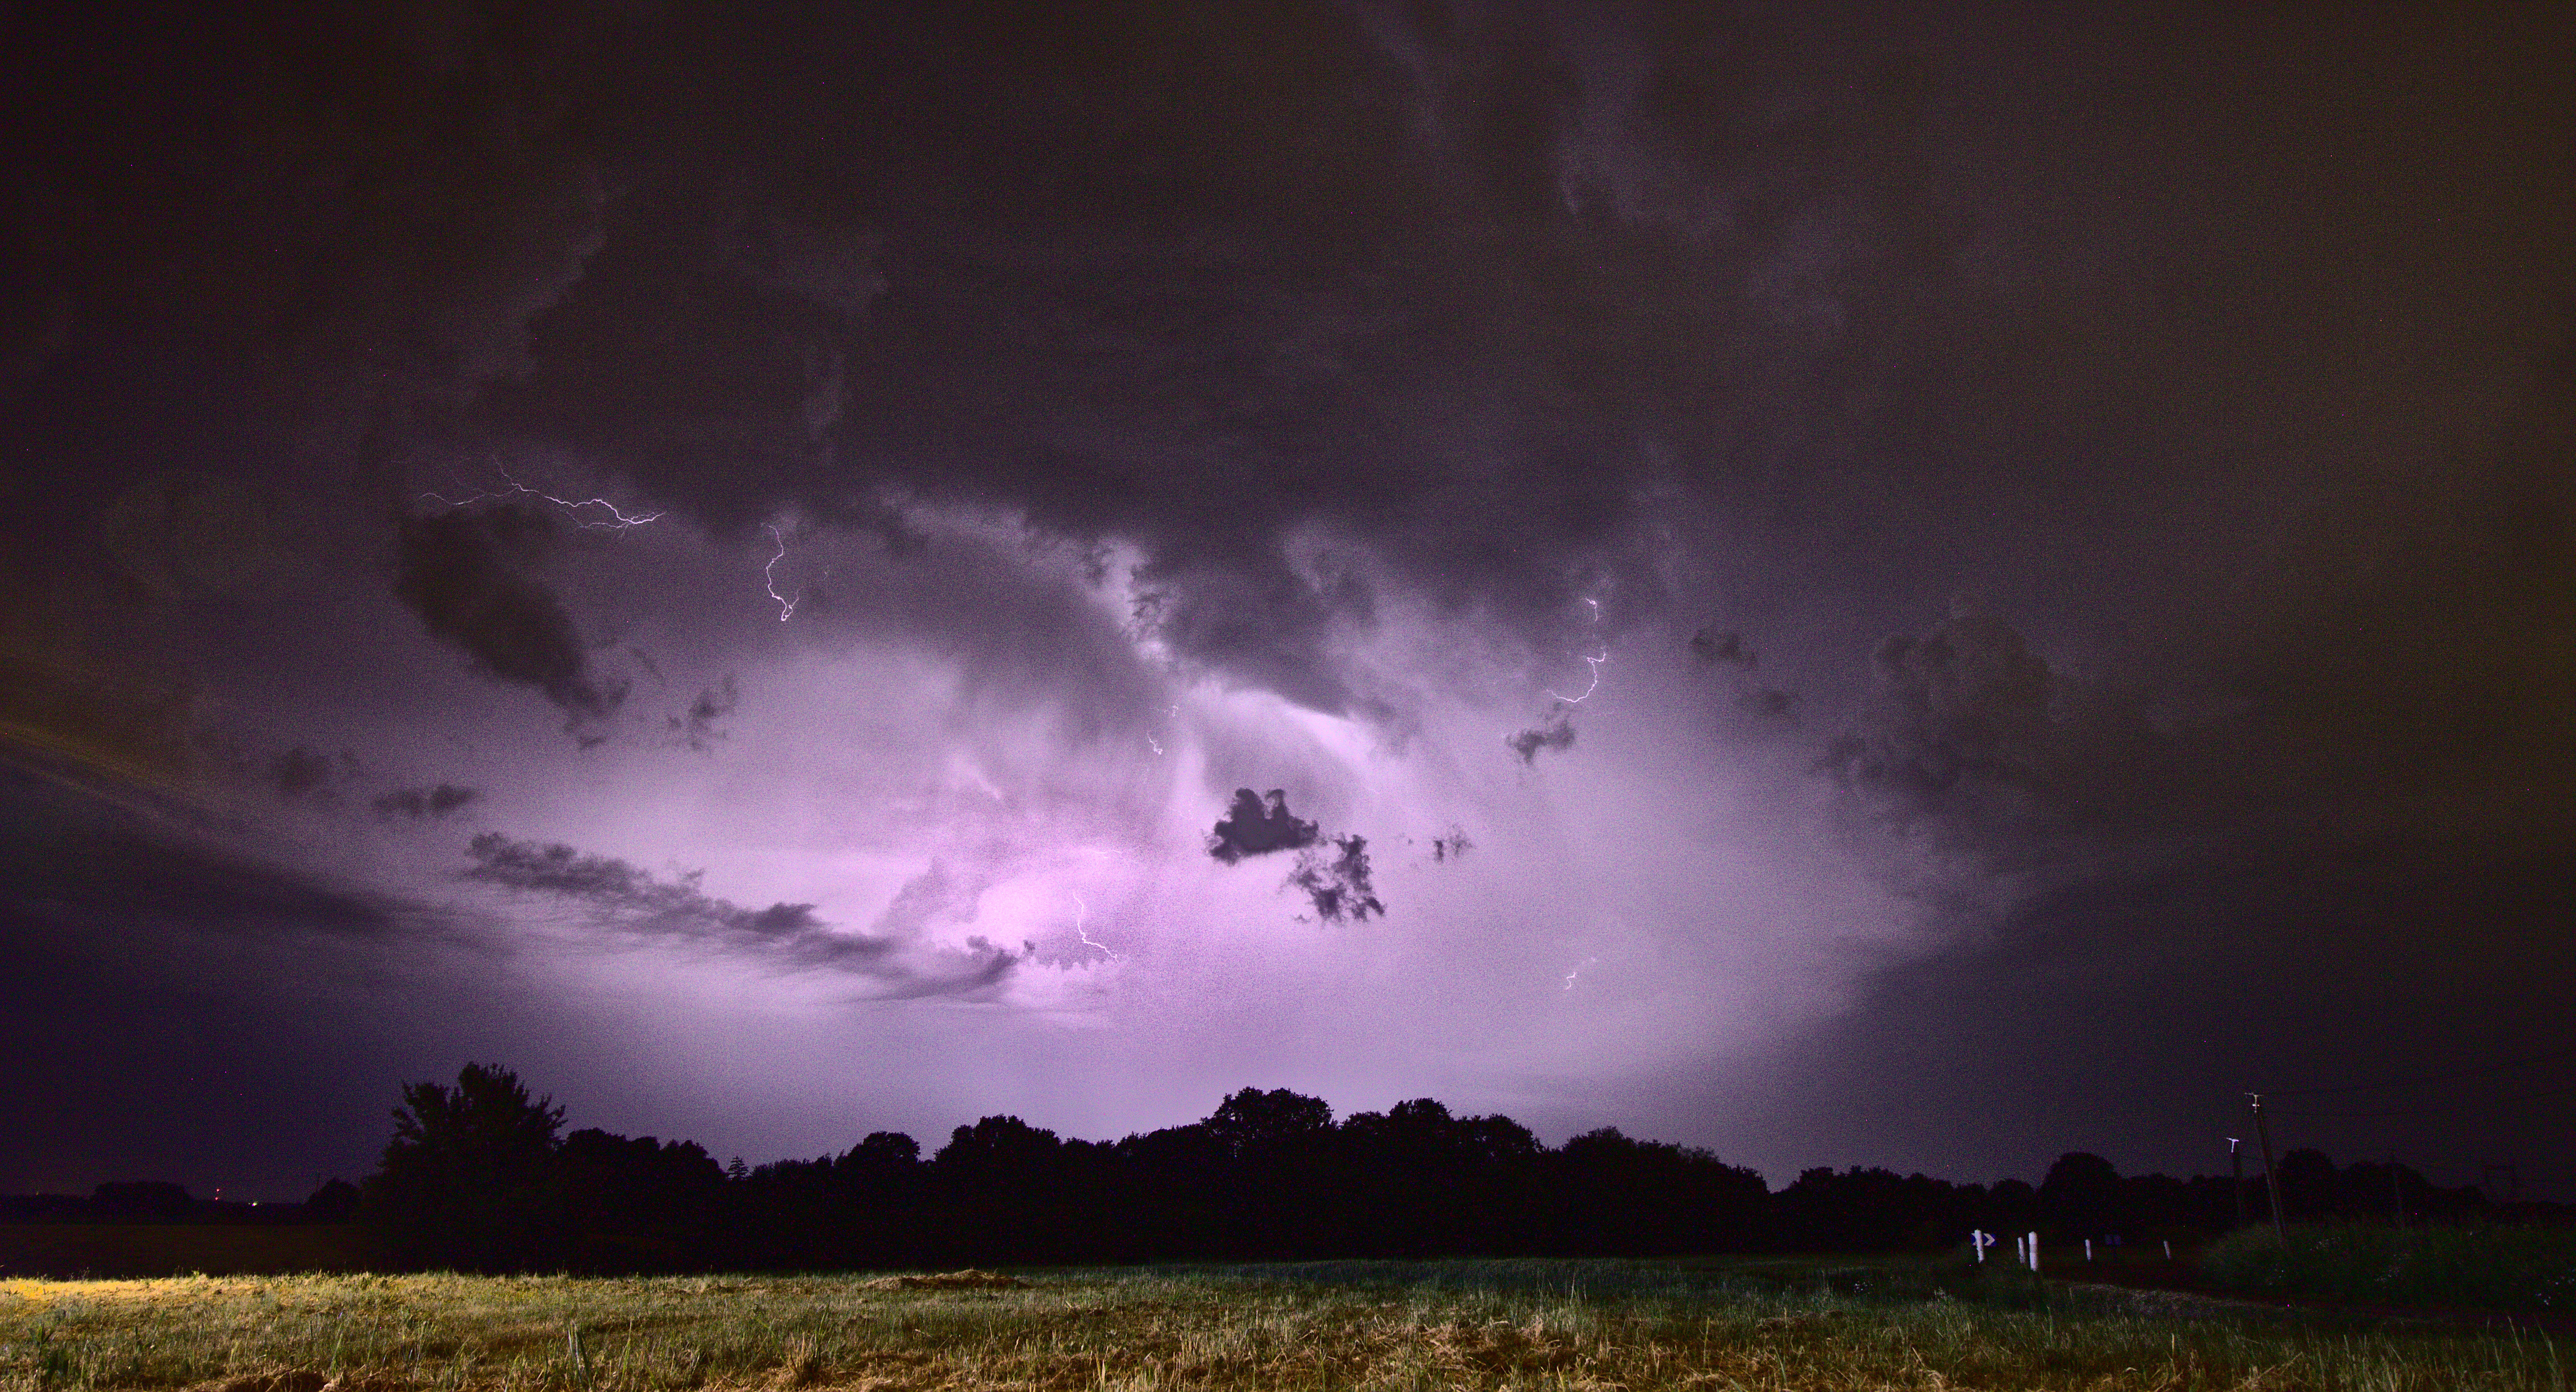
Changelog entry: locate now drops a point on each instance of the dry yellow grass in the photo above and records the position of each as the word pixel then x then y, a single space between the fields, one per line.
pixel 1494 1325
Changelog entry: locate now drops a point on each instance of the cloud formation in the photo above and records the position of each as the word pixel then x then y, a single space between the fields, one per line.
pixel 469 574
pixel 616 894
pixel 697 727
pixel 1555 734
pixel 1710 649
pixel 431 804
pixel 1337 882
pixel 1253 826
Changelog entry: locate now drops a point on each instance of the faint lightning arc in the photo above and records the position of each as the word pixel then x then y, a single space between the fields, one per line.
pixel 1081 915
pixel 1595 663
pixel 1578 971
pixel 1596 680
pixel 769 573
pixel 617 520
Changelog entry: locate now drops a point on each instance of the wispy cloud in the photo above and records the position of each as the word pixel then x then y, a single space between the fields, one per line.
pixel 616 894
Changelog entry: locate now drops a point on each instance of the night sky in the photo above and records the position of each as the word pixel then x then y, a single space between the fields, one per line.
pixel 1840 585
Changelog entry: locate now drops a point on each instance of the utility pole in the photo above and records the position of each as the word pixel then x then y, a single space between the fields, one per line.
pixel 2236 1161
pixel 2271 1178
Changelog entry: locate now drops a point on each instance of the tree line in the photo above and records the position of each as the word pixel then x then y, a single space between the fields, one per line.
pixel 480 1175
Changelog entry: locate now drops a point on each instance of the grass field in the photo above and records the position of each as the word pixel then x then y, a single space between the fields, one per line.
pixel 1594 1325
pixel 2526 1269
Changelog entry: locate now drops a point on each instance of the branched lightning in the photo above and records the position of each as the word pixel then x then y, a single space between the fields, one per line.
pixel 786 606
pixel 1082 915
pixel 617 520
pixel 1596 680
pixel 1595 662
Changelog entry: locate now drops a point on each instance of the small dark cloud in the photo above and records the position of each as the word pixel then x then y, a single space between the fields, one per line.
pixel 1251 828
pixel 469 575
pixel 1338 883
pixel 697 726
pixel 1450 845
pixel 425 803
pixel 299 774
pixel 1770 703
pixel 1709 649
pixel 1554 733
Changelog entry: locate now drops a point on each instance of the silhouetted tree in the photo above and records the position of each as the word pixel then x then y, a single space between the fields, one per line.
pixel 334 1201
pixel 1257 1124
pixel 466 1178
pixel 2082 1196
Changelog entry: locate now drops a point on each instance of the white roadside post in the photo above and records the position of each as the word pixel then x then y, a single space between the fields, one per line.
pixel 2034 1252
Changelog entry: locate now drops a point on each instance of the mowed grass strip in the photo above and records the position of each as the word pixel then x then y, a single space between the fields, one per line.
pixel 1397 1325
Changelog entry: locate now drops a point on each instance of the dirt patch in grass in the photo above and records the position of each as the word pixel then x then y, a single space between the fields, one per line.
pixel 969 1279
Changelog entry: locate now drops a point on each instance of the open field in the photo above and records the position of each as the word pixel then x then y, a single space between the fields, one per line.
pixel 160 1249
pixel 1536 1324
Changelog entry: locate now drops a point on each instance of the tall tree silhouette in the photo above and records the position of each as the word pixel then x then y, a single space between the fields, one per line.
pixel 466 1179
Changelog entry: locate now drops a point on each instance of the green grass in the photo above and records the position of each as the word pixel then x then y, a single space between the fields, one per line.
pixel 2525 1269
pixel 1570 1325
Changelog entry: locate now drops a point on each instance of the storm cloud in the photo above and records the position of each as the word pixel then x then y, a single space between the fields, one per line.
pixel 2138 444
pixel 1337 881
pixel 614 894
pixel 1258 824
pixel 470 576
pixel 432 803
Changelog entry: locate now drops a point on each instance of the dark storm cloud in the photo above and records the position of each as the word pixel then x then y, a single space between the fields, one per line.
pixel 2179 335
pixel 1974 741
pixel 630 898
pixel 2130 1012
pixel 1769 703
pixel 299 773
pixel 1331 871
pixel 469 575
pixel 432 804
pixel 83 851
pixel 1710 648
pixel 1554 734
pixel 697 727
pixel 616 894
pixel 1199 286
pixel 1337 882
pixel 1254 826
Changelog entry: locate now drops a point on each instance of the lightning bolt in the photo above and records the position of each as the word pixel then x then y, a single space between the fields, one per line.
pixel 616 521
pixel 1596 680
pixel 769 572
pixel 1594 662
pixel 1578 971
pixel 1081 915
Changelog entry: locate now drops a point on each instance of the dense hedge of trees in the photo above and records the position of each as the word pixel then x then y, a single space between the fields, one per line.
pixel 481 1176
pixel 478 1176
